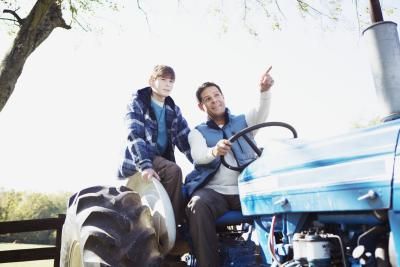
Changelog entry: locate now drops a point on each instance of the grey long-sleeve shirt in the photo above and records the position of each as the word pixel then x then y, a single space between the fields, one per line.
pixel 225 181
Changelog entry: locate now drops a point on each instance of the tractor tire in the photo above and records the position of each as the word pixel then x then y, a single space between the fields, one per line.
pixel 108 226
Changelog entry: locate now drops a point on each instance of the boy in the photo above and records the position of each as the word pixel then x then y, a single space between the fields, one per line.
pixel 155 127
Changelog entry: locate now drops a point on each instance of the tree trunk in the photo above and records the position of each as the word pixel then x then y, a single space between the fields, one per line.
pixel 44 17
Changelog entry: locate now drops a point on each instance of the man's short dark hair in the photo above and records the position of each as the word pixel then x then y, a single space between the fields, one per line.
pixel 203 87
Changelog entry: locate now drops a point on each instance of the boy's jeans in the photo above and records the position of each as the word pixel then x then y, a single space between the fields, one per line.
pixel 171 178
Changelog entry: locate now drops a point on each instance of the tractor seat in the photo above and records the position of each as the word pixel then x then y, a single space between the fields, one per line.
pixel 232 217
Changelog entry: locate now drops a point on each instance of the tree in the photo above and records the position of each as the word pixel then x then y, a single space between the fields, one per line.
pixel 16 206
pixel 9 201
pixel 43 18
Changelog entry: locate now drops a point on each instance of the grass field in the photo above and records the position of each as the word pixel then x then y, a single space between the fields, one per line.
pixel 10 246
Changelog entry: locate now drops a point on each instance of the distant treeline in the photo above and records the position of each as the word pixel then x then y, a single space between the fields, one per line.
pixel 15 206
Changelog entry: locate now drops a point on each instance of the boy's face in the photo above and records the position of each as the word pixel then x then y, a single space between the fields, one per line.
pixel 212 102
pixel 162 87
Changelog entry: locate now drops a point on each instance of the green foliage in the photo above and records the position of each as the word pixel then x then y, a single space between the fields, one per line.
pixel 81 13
pixel 8 204
pixel 16 206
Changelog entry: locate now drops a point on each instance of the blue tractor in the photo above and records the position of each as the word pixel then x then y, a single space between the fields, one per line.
pixel 334 201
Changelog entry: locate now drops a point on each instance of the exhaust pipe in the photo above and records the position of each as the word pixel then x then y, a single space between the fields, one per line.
pixel 383 48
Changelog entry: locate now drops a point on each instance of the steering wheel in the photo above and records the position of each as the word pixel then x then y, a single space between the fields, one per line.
pixel 258 151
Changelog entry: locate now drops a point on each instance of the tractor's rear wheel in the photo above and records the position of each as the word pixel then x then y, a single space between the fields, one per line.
pixel 108 226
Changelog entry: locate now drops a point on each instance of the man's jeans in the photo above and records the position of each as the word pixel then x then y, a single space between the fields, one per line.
pixel 205 206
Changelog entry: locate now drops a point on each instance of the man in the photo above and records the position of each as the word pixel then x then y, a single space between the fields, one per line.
pixel 211 187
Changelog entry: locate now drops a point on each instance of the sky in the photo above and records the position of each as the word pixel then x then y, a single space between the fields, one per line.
pixel 63 128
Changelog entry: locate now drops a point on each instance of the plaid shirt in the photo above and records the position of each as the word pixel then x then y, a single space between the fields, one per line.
pixel 142 133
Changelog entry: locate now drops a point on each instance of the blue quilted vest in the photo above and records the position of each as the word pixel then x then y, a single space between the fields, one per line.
pixel 212 133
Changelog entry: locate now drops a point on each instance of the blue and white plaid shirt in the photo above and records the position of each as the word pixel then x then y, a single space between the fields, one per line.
pixel 142 133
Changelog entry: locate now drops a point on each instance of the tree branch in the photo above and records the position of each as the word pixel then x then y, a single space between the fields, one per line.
pixel 245 10
pixel 302 4
pixel 144 12
pixel 13 20
pixel 12 12
pixel 357 16
pixel 81 25
pixel 279 9
pixel 263 7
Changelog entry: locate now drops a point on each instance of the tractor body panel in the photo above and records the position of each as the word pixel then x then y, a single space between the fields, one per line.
pixel 333 174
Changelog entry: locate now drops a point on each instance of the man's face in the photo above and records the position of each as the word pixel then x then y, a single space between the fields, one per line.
pixel 212 102
pixel 162 87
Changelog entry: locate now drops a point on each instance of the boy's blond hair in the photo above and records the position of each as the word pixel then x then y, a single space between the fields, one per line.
pixel 162 71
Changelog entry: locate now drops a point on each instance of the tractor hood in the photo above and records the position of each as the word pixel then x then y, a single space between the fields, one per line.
pixel 346 172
